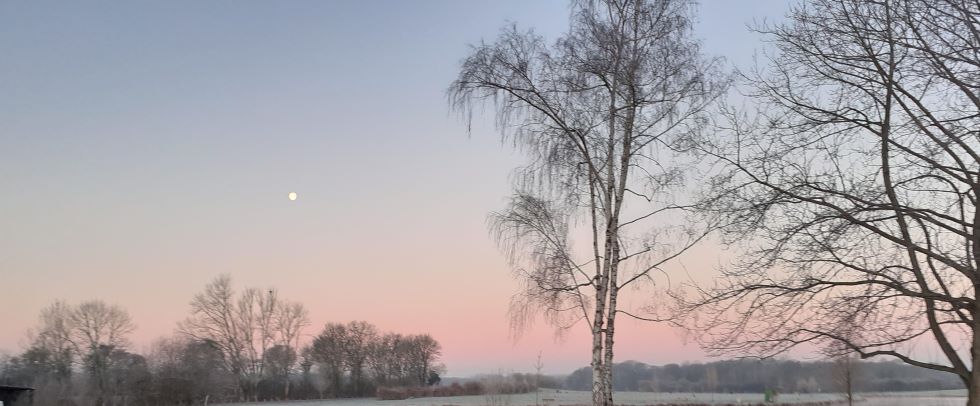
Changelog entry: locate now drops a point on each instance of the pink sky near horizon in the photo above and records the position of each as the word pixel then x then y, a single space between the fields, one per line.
pixel 147 148
pixel 465 311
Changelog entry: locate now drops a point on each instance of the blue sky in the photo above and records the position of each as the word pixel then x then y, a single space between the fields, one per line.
pixel 146 147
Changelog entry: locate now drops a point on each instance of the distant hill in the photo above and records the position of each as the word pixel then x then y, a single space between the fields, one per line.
pixel 757 375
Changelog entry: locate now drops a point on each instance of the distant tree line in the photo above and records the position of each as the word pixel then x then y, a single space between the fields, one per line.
pixel 489 385
pixel 355 359
pixel 234 346
pixel 755 376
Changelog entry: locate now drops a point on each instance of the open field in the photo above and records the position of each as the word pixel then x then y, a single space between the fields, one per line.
pixel 568 398
pixel 913 401
pixel 930 398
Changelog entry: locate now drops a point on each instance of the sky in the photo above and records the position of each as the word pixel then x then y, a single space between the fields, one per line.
pixel 148 147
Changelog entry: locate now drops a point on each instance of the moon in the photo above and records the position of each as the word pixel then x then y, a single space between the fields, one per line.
pixel 292 196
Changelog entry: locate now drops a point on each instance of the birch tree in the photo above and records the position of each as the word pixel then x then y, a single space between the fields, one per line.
pixel 599 113
pixel 852 189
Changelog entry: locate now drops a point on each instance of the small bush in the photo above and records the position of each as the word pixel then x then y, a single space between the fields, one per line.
pixel 473 388
pixel 407 392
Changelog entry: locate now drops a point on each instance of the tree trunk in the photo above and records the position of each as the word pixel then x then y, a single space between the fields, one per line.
pixel 973 390
pixel 598 380
pixel 610 330
pixel 598 387
pixel 973 386
pixel 598 372
pixel 607 393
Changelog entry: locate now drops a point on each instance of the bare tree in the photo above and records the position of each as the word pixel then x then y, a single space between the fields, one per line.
pixel 53 349
pixel 244 327
pixel 255 319
pixel 291 319
pixel 600 114
pixel 423 352
pixel 387 359
pixel 188 371
pixel 279 360
pixel 95 323
pixel 99 331
pixel 213 319
pixel 852 189
pixel 327 351
pixel 359 339
pixel 845 372
pixel 54 336
pixel 89 334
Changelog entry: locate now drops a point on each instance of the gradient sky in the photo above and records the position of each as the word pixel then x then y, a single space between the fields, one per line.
pixel 146 147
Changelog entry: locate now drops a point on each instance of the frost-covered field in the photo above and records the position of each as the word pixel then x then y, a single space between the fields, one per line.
pixel 931 398
pixel 569 398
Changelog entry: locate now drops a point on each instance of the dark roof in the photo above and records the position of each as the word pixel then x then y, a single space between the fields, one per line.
pixel 13 388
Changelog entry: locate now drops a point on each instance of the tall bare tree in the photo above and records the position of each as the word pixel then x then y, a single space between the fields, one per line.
pixel 213 319
pixel 54 336
pixel 327 350
pixel 387 360
pixel 599 113
pixel 95 323
pixel 244 327
pixel 88 335
pixel 291 319
pixel 98 330
pixel 357 344
pixel 422 354
pixel 254 314
pixel 853 188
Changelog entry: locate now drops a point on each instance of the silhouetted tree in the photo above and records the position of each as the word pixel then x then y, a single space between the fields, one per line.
pixel 853 188
pixel 357 356
pixel 422 353
pixel 356 344
pixel 387 359
pixel 327 351
pixel 53 338
pixel 279 361
pixel 97 331
pixel 243 326
pixel 291 319
pixel 600 113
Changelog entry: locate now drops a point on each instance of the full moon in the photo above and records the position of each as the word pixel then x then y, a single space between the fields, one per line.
pixel 292 196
